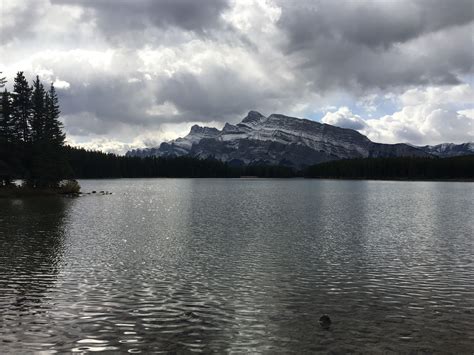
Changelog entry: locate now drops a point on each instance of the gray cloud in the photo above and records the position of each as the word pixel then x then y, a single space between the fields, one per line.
pixel 370 23
pixel 97 101
pixel 19 20
pixel 365 45
pixel 218 93
pixel 115 18
pixel 111 99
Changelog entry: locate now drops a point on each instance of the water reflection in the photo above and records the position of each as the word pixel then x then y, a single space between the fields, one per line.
pixel 31 253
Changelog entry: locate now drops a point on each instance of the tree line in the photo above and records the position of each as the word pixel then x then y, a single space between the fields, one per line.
pixel 89 164
pixel 93 164
pixel 31 135
pixel 396 168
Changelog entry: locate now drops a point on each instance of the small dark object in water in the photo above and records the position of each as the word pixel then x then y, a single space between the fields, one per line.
pixel 93 192
pixel 325 321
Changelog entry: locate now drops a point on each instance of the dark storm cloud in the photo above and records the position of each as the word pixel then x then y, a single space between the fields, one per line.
pixel 119 16
pixel 365 45
pixel 369 23
pixel 330 65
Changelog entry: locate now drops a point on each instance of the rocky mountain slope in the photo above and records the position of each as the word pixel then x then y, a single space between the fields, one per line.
pixel 447 150
pixel 277 139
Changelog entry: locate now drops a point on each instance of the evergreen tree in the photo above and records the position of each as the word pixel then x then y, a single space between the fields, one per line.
pixel 6 118
pixel 6 173
pixel 3 81
pixel 48 163
pixel 22 107
pixel 10 150
pixel 53 126
pixel 2 84
pixel 38 117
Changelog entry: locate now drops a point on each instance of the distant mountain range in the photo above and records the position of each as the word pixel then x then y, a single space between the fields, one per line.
pixel 447 150
pixel 283 140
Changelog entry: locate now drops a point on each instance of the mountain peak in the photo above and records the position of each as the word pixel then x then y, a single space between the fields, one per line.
pixel 253 117
pixel 196 129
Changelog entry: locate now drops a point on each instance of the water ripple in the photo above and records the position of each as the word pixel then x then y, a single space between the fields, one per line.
pixel 240 266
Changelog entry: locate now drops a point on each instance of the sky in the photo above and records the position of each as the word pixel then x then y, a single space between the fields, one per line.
pixel 134 73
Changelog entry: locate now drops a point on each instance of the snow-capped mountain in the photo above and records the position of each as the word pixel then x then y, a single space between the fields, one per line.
pixel 446 150
pixel 277 139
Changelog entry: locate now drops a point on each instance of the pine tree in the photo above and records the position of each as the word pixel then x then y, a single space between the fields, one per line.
pixel 38 117
pixel 6 118
pixel 2 84
pixel 10 159
pixel 48 160
pixel 53 126
pixel 3 81
pixel 22 107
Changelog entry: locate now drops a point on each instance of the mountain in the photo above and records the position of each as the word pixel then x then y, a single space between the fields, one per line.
pixel 447 150
pixel 277 140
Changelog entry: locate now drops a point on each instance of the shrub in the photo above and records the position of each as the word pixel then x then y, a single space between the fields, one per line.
pixel 69 187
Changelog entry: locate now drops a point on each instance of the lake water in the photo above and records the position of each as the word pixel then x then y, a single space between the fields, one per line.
pixel 244 265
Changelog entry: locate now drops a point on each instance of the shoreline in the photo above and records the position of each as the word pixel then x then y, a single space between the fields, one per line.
pixel 14 193
pixel 21 192
pixel 281 178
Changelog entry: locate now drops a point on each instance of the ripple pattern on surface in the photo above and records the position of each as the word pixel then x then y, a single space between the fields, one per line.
pixel 240 266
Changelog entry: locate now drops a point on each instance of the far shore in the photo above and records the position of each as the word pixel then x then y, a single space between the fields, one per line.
pixel 276 178
pixel 21 191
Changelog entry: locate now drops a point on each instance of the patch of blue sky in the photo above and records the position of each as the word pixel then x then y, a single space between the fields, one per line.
pixel 378 106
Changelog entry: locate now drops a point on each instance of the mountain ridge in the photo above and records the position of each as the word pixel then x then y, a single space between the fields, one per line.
pixel 280 140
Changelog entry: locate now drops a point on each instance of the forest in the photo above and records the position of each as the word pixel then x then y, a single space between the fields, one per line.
pixel 406 168
pixel 92 164
pixel 89 164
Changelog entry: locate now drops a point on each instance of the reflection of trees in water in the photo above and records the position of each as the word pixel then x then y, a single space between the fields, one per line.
pixel 31 248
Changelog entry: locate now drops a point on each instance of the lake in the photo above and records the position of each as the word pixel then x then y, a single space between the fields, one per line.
pixel 240 265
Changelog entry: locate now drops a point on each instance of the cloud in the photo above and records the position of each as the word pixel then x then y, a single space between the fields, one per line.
pixel 140 71
pixel 137 16
pixel 216 93
pixel 19 18
pixel 421 125
pixel 370 23
pixel 426 116
pixel 442 96
pixel 344 118
pixel 370 45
